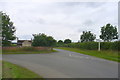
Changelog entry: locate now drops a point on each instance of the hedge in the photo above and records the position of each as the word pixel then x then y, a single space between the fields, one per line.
pixel 94 45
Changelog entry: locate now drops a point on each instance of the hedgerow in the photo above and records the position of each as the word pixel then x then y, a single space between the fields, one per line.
pixel 94 45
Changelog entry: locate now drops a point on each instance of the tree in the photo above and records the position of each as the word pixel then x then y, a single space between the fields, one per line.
pixel 87 36
pixel 66 41
pixel 60 42
pixel 8 30
pixel 39 40
pixel 43 40
pixel 51 41
pixel 108 33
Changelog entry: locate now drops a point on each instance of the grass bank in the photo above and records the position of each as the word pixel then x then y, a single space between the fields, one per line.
pixel 14 71
pixel 105 54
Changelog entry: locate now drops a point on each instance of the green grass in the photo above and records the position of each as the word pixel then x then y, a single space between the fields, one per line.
pixel 14 71
pixel 105 54
pixel 28 52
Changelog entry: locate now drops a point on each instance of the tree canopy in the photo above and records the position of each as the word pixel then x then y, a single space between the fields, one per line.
pixel 87 36
pixel 43 40
pixel 60 42
pixel 108 33
pixel 8 30
pixel 66 41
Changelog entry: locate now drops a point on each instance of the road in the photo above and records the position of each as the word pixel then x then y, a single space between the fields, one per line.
pixel 65 64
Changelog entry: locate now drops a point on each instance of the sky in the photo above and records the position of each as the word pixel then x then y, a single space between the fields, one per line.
pixel 62 20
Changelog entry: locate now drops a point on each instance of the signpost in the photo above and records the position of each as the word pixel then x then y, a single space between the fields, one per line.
pixel 98 40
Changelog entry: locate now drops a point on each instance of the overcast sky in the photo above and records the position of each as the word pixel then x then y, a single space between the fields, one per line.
pixel 61 20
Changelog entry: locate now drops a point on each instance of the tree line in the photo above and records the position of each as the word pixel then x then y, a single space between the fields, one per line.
pixel 108 33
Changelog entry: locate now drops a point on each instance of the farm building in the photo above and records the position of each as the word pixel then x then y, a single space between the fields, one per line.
pixel 24 43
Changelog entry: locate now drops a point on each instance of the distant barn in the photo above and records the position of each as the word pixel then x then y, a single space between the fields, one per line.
pixel 24 43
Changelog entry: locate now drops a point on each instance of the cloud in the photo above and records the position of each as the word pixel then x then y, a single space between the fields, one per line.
pixel 88 22
pixel 60 19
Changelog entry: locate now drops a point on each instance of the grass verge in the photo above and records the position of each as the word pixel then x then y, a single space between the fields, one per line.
pixel 105 54
pixel 14 71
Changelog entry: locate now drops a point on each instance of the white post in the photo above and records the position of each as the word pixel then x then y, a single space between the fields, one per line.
pixel 98 46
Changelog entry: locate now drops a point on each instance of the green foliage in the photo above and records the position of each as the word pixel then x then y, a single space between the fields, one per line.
pixel 111 45
pixel 85 45
pixel 66 41
pixel 43 40
pixel 8 30
pixel 108 33
pixel 87 36
pixel 6 43
pixel 60 42
pixel 51 41
pixel 116 45
pixel 94 45
pixel 39 40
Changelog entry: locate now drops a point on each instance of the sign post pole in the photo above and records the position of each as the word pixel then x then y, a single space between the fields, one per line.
pixel 98 40
pixel 98 46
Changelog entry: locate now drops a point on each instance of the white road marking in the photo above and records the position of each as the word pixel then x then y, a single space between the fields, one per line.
pixel 70 55
pixel 79 56
pixel 87 57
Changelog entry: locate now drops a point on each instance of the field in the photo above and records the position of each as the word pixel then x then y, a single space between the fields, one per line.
pixel 105 54
pixel 14 71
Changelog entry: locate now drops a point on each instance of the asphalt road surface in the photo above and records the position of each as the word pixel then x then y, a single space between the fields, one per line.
pixel 65 64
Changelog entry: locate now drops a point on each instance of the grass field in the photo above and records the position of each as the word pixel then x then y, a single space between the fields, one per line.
pixel 105 54
pixel 14 71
